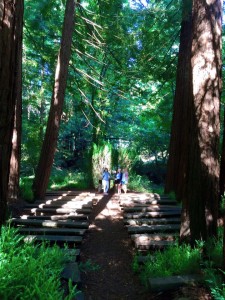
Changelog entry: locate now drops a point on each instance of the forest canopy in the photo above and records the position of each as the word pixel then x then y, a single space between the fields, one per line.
pixel 121 78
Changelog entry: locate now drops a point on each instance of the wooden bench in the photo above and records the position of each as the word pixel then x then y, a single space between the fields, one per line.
pixel 53 231
pixel 60 210
pixel 57 217
pixel 152 208
pixel 152 244
pixel 71 272
pixel 72 205
pixel 126 203
pixel 153 214
pixel 54 239
pixel 152 221
pixel 173 282
pixel 49 223
pixel 153 228
pixel 152 241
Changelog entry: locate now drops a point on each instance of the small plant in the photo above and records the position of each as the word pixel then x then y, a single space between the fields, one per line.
pixel 214 281
pixel 135 264
pixel 214 251
pixel 26 188
pixel 222 205
pixel 29 271
pixel 88 266
pixel 175 260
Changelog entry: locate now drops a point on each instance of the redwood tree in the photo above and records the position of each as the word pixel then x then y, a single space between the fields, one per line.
pixel 11 13
pixel 45 163
pixel 200 203
pixel 17 94
pixel 178 150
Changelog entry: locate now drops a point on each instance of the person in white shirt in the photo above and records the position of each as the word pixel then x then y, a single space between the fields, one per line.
pixel 105 181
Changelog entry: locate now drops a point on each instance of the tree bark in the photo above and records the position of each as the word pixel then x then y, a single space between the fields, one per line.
pixel 44 167
pixel 17 130
pixel 178 149
pixel 222 162
pixel 200 205
pixel 10 24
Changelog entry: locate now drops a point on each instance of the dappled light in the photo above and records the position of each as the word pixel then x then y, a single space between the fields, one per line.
pixel 112 148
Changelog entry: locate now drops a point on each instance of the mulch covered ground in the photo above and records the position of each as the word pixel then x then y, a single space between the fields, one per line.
pixel 108 245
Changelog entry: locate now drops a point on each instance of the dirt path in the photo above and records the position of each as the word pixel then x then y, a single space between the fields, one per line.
pixel 108 245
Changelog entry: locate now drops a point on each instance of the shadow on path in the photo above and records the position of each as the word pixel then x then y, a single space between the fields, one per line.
pixel 108 245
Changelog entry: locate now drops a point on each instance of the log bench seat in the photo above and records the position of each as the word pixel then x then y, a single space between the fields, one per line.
pixel 50 223
pixel 153 228
pixel 127 203
pixel 54 239
pixel 152 221
pixel 173 282
pixel 153 214
pixel 60 210
pixel 57 217
pixel 151 208
pixel 52 231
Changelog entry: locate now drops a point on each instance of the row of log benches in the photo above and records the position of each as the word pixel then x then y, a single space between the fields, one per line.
pixel 152 221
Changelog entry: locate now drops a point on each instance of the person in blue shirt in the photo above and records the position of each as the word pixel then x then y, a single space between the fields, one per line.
pixel 105 181
pixel 118 180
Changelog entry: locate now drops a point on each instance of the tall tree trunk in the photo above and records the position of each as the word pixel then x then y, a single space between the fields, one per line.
pixel 222 162
pixel 200 206
pixel 178 150
pixel 17 94
pixel 50 141
pixel 10 22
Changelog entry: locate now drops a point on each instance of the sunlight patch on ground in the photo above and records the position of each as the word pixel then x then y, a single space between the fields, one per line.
pixel 93 226
pixel 112 210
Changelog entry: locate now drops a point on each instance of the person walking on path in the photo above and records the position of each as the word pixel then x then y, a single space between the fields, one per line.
pixel 124 180
pixel 118 180
pixel 105 181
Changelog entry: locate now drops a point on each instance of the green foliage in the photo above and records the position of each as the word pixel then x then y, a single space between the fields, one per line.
pixel 139 183
pixel 26 188
pixel 88 266
pixel 154 169
pixel 215 282
pixel 68 179
pixel 214 250
pixel 126 157
pixel 222 205
pixel 28 271
pixel 175 260
pixel 101 158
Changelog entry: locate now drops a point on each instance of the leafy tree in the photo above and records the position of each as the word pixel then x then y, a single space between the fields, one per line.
pixel 49 145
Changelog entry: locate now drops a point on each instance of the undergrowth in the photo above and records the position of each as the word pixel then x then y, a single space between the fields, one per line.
pixel 140 183
pixel 174 260
pixel 29 271
pixel 205 258
pixel 68 179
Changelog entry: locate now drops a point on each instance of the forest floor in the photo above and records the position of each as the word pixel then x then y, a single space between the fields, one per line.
pixel 108 245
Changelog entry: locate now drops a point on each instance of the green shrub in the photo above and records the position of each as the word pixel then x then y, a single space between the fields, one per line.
pixel 26 188
pixel 28 271
pixel 214 280
pixel 139 183
pixel 68 179
pixel 214 251
pixel 174 260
